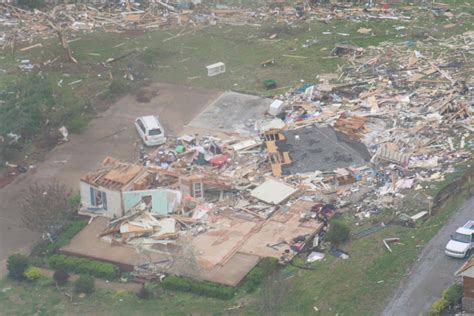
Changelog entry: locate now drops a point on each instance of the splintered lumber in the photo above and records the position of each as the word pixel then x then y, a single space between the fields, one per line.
pixel 112 60
pixel 389 240
pixel 253 213
pixel 185 219
pixel 165 236
pixel 30 47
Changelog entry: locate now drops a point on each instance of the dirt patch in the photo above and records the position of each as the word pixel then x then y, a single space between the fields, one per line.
pixel 145 95
pixel 453 188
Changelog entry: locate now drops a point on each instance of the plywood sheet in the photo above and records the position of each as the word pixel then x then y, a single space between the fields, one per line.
pixel 273 191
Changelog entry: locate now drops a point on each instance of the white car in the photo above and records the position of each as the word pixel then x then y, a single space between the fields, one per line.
pixel 462 242
pixel 150 130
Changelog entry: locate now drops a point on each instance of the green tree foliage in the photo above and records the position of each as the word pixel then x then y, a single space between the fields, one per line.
pixel 454 294
pixel 85 284
pixel 81 265
pixel 16 266
pixel 338 232
pixel 203 288
pixel 32 273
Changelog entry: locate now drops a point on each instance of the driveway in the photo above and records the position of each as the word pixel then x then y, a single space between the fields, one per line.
pixel 433 272
pixel 112 133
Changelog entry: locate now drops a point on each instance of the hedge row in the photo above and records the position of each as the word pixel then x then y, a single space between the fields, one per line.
pixel 83 266
pixel 259 273
pixel 203 288
pixel 65 237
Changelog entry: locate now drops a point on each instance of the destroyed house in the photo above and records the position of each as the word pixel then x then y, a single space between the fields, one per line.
pixel 117 188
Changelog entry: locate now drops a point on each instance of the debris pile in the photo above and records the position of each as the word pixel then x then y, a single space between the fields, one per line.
pixel 27 25
pixel 358 141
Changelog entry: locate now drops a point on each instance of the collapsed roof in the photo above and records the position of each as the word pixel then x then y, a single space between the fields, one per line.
pixel 323 149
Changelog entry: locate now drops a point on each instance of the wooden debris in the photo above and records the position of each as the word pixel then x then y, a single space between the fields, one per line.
pixel 386 241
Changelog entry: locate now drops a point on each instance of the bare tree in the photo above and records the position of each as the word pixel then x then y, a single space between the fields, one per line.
pixel 45 208
pixel 183 261
pixel 275 290
pixel 64 43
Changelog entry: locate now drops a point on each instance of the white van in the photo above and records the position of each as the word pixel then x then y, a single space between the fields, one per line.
pixel 150 130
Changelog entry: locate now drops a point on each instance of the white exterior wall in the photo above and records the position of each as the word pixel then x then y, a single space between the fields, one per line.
pixel 114 203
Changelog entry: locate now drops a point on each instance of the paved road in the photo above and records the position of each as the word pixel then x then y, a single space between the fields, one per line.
pixel 433 272
pixel 111 134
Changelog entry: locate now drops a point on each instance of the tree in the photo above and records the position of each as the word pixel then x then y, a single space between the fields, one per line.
pixel 338 232
pixel 16 266
pixel 85 284
pixel 45 208
pixel 60 277
pixel 143 293
pixel 185 263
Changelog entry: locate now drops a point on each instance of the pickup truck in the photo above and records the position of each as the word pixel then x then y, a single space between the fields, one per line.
pixel 462 242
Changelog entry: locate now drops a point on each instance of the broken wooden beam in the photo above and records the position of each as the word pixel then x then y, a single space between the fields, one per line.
pixel 386 241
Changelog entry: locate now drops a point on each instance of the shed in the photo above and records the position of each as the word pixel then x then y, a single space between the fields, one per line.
pixel 215 69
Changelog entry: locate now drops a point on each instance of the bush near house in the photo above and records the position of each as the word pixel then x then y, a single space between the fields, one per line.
pixel 438 306
pixel 85 284
pixel 259 273
pixel 84 266
pixel 65 237
pixel 32 273
pixel 453 295
pixel 17 265
pixel 338 231
pixel 198 287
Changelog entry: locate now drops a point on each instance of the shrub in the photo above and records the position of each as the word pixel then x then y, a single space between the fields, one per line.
pixel 16 266
pixel 338 232
pixel 259 273
pixel 77 124
pixel 438 306
pixel 65 236
pixel 143 293
pixel 32 273
pixel 176 283
pixel 85 284
pixel 254 279
pixel 117 87
pixel 454 294
pixel 60 277
pixel 84 266
pixel 212 290
pixel 198 287
pixel 269 265
pixel 74 200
